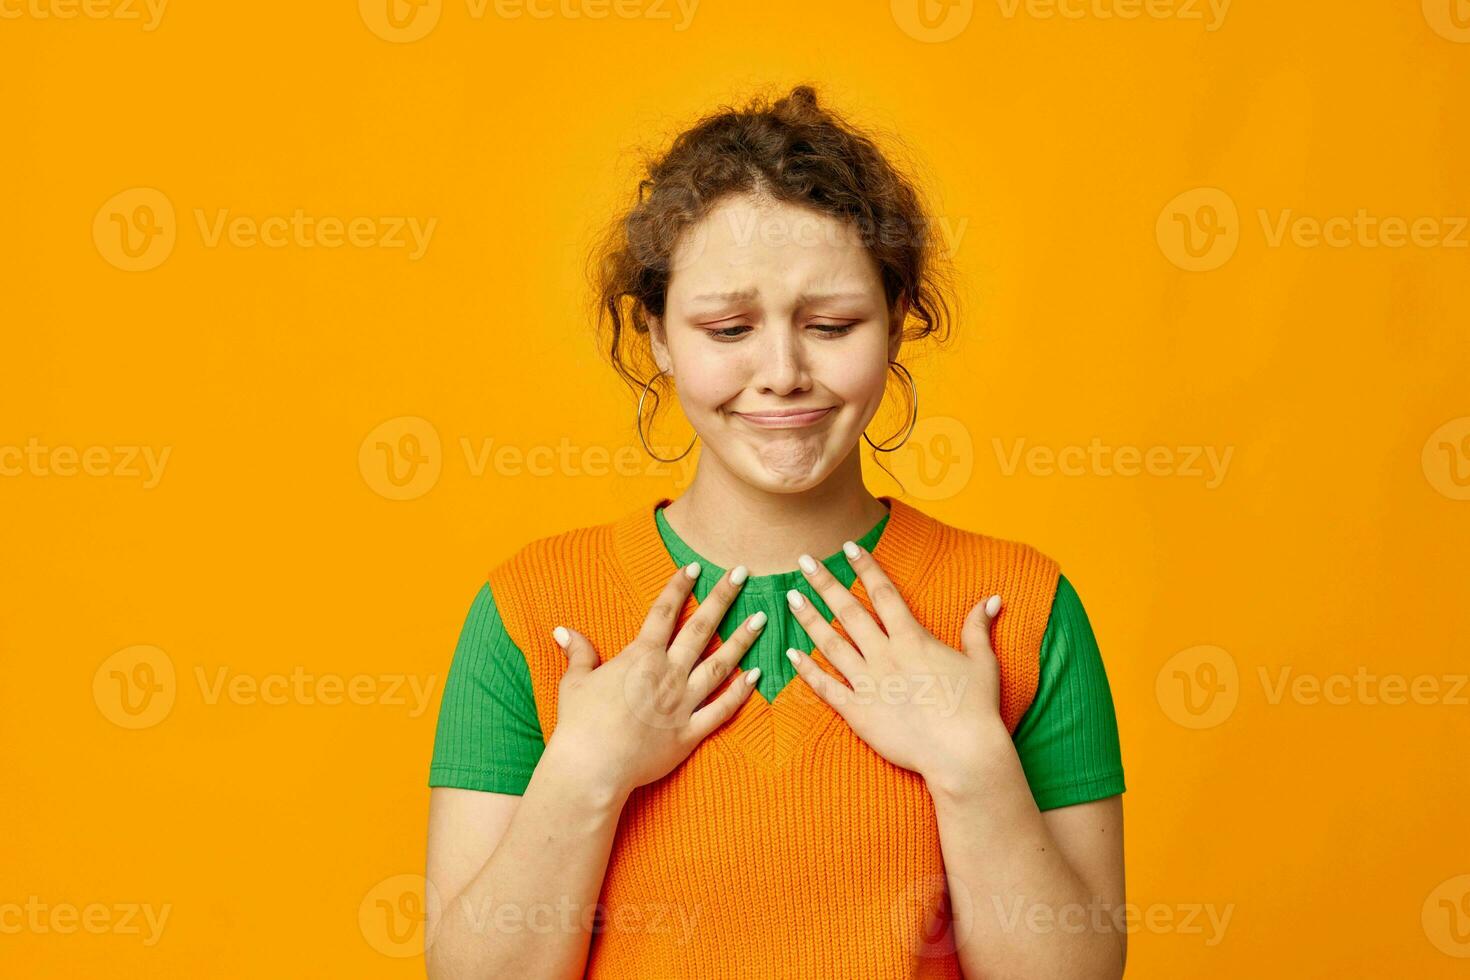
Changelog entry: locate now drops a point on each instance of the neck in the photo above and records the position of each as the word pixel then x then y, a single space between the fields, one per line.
pixel 730 522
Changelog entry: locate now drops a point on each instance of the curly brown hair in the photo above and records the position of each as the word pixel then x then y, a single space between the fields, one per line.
pixel 792 151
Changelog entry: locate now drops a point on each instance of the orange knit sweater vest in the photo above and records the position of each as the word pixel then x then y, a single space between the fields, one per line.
pixel 783 846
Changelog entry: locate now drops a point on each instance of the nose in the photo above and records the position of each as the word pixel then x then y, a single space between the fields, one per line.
pixel 781 368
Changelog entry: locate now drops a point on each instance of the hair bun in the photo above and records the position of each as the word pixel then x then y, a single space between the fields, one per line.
pixel 800 101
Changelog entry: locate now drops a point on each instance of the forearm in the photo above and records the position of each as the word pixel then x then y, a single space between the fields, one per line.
pixel 529 911
pixel 1020 909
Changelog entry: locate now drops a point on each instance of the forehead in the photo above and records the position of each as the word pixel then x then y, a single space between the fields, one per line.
pixel 746 241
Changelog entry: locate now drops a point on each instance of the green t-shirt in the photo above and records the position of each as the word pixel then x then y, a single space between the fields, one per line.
pixel 489 738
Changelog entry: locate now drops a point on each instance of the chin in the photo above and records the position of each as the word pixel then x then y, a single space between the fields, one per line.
pixel 782 476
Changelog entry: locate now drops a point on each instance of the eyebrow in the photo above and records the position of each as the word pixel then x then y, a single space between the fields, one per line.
pixel 741 295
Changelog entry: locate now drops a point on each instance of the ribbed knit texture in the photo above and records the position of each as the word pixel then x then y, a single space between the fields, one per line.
pixel 767 594
pixel 486 731
pixel 784 845
pixel 1077 759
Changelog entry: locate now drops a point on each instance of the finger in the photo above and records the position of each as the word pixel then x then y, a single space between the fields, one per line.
pixel 663 615
pixel 823 684
pixel 695 634
pixel 720 710
pixel 581 656
pixel 858 622
pixel 827 639
pixel 713 669
pixel 975 634
pixel 882 593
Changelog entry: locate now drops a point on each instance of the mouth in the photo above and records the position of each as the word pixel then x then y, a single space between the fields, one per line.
pixel 786 419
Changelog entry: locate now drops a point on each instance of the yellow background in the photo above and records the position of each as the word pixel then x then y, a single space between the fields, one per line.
pixel 1064 149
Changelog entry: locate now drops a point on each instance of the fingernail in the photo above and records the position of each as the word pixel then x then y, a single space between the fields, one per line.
pixel 692 569
pixel 757 622
pixel 792 656
pixel 561 636
pixel 807 564
pixel 752 675
pixel 992 606
pixel 738 575
pixel 850 549
pixel 795 598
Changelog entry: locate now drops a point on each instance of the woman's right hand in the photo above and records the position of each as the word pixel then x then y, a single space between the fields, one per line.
pixel 633 719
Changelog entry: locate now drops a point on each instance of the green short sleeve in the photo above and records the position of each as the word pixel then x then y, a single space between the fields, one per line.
pixel 1068 738
pixel 488 737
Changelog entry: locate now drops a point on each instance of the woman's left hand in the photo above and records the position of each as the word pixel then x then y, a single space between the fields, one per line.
pixel 918 703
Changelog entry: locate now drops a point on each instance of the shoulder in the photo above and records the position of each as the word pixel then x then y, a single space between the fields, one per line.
pixel 568 548
pixel 996 558
pixel 1068 604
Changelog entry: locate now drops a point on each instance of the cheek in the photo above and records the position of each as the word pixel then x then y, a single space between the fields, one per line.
pixel 858 383
pixel 709 383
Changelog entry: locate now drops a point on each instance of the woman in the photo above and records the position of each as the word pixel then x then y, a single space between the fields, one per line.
pixel 664 752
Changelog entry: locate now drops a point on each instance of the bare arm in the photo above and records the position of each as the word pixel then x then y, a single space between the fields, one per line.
pixel 1034 894
pixel 518 877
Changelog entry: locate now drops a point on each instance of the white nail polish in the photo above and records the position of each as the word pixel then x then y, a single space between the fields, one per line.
pixel 795 598
pixel 850 549
pixel 752 675
pixel 792 656
pixel 807 564
pixel 562 636
pixel 757 622
pixel 739 574
pixel 692 569
pixel 992 606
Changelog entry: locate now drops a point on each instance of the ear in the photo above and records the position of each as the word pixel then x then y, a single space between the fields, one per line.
pixel 895 327
pixel 658 342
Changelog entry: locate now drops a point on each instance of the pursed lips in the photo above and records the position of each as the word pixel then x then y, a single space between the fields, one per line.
pixel 786 418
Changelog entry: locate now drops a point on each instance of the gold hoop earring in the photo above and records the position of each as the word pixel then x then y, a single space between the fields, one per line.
pixel 913 416
pixel 639 422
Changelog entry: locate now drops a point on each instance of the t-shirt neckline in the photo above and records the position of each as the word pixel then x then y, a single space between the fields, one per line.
pixel 836 562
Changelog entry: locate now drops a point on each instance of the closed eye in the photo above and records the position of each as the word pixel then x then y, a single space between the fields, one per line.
pixel 825 329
